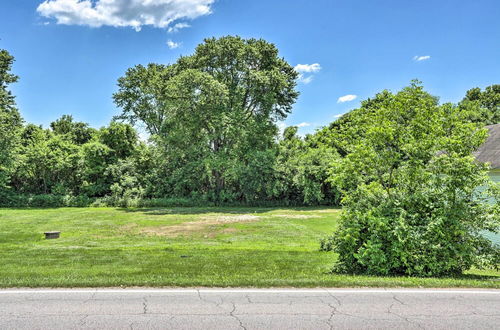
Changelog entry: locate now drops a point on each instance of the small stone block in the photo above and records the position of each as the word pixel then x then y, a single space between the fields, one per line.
pixel 52 234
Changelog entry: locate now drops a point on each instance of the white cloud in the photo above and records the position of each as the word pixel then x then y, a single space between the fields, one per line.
pixel 307 68
pixel 421 58
pixel 177 27
pixel 123 13
pixel 303 124
pixel 347 98
pixel 173 45
pixel 339 115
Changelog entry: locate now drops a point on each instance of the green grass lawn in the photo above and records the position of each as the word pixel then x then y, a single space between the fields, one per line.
pixel 237 247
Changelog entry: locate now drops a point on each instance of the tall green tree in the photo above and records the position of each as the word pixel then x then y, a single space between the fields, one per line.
pixel 213 109
pixel 78 132
pixel 344 133
pixel 302 170
pixel 488 103
pixel 286 171
pixel 412 203
pixel 96 157
pixel 10 119
pixel 121 138
pixel 47 163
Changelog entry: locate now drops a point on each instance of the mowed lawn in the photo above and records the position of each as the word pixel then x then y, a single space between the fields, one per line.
pixel 238 247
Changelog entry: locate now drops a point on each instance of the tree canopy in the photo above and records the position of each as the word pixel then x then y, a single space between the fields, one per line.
pixel 10 119
pixel 215 111
pixel 487 102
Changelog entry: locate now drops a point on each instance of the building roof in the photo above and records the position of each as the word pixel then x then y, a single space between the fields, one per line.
pixel 489 152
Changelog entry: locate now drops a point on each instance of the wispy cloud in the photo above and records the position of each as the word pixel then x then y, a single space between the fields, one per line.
pixel 177 27
pixel 172 45
pixel 306 71
pixel 339 115
pixel 301 68
pixel 421 58
pixel 346 98
pixel 304 124
pixel 124 13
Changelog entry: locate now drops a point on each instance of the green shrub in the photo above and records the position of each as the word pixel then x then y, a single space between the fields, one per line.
pixel 327 244
pixel 412 202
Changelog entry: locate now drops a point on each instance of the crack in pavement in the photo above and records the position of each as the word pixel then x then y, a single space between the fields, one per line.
pixel 217 304
pixel 330 319
pixel 91 297
pixel 398 300
pixel 337 311
pixel 231 313
pixel 389 311
pixel 82 321
pixel 144 305
pixel 334 297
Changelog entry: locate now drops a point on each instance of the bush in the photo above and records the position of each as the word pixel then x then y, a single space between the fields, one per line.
pixel 327 244
pixel 412 202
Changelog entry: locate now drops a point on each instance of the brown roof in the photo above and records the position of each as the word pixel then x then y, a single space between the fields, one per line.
pixel 489 152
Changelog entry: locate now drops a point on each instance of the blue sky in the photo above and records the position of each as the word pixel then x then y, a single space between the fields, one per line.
pixel 359 48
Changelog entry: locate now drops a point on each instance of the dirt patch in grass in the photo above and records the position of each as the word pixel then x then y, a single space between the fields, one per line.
pixel 191 227
pixel 327 211
pixel 128 227
pixel 172 231
pixel 218 219
pixel 295 216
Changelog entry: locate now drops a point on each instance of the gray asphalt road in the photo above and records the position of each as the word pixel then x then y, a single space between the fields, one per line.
pixel 249 309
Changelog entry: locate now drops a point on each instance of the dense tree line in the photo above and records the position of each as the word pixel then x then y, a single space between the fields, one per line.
pixel 212 119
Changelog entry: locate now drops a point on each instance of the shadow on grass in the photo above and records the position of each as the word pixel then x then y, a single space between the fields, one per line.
pixel 476 277
pixel 163 210
pixel 464 277
pixel 217 209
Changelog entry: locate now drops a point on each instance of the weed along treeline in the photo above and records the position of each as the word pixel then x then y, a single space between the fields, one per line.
pixel 212 120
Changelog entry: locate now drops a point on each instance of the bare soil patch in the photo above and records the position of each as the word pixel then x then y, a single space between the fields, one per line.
pixel 191 227
pixel 295 216
pixel 327 211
